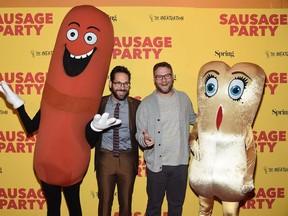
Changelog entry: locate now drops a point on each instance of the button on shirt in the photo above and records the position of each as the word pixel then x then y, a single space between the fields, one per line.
pixel 124 133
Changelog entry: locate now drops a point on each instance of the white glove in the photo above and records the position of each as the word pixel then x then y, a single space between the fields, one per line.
pixel 247 187
pixel 11 97
pixel 195 148
pixel 103 122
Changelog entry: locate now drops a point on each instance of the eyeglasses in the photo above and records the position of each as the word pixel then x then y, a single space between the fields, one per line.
pixel 160 77
pixel 119 84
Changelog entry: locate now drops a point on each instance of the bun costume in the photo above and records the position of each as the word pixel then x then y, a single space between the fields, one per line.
pixel 72 93
pixel 222 139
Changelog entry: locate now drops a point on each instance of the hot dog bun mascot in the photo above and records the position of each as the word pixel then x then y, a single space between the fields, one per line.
pixel 71 96
pixel 222 139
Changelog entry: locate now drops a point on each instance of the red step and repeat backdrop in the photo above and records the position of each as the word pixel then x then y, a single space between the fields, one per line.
pixel 185 33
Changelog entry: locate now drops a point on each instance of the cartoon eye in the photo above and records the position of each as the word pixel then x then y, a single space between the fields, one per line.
pixel 211 86
pixel 72 34
pixel 90 38
pixel 236 88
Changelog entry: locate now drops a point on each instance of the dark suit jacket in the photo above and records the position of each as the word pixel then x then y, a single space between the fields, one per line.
pixel 95 138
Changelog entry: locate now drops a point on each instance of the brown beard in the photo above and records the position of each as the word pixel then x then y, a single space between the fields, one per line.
pixel 114 92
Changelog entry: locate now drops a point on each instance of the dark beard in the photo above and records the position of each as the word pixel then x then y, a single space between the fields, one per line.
pixel 117 97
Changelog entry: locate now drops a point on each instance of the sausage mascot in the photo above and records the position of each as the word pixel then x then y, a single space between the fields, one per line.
pixel 222 138
pixel 72 93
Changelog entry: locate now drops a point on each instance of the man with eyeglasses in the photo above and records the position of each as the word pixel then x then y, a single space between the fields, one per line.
pixel 116 162
pixel 163 119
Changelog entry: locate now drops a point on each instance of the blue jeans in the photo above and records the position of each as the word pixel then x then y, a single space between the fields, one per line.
pixel 173 181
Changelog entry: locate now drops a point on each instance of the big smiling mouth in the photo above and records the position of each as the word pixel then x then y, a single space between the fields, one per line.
pixel 75 65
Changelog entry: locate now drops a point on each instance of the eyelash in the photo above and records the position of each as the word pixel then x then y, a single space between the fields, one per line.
pixel 236 97
pixel 208 77
pixel 235 89
pixel 243 79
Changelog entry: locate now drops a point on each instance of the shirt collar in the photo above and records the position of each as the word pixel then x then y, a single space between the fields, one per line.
pixel 122 103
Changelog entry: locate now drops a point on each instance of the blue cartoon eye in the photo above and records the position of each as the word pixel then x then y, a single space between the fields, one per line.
pixel 90 38
pixel 72 34
pixel 236 89
pixel 211 86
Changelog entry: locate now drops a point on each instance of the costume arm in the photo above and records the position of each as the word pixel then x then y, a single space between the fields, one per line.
pixel 251 161
pixel 99 124
pixel 193 142
pixel 31 125
pixel 194 133
pixel 91 135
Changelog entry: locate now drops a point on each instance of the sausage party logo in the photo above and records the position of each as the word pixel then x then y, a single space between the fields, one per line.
pixel 253 25
pixel 267 141
pixel 21 198
pixel 273 80
pixel 139 47
pixel 16 142
pixel 25 83
pixel 265 198
pixel 24 24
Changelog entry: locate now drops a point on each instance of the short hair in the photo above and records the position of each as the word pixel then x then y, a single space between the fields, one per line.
pixel 162 64
pixel 119 69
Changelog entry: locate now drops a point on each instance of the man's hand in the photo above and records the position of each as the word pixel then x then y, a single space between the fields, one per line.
pixel 11 97
pixel 103 122
pixel 147 139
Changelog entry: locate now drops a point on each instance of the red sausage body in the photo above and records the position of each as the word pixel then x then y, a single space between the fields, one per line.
pixel 75 82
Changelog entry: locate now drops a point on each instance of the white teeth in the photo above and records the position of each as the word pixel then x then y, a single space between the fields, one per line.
pixel 81 56
pixel 89 53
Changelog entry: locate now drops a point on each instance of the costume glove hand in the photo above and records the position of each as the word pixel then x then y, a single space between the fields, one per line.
pixel 11 97
pixel 195 148
pixel 247 187
pixel 103 122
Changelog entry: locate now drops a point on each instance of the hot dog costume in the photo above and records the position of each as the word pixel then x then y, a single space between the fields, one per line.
pixel 222 139
pixel 73 89
pixel 72 94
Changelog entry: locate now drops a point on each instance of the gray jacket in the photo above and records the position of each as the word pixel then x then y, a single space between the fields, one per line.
pixel 148 117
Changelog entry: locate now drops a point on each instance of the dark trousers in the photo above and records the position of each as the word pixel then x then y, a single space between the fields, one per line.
pixel 52 195
pixel 112 171
pixel 173 181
